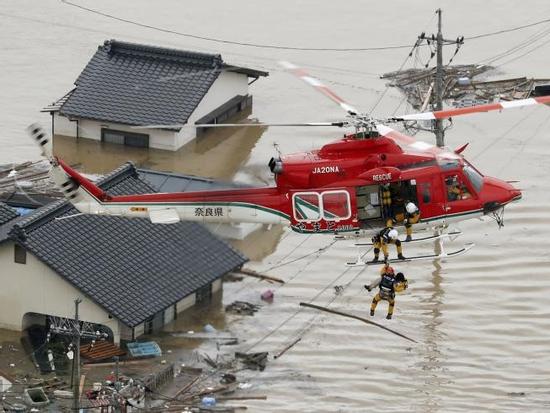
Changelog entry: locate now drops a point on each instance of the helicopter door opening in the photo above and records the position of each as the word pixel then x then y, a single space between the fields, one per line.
pixel 395 196
pixel 369 208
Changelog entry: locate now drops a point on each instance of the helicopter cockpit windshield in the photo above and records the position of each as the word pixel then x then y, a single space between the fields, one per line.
pixel 475 178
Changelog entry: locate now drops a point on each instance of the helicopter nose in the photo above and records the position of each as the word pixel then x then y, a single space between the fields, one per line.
pixel 497 193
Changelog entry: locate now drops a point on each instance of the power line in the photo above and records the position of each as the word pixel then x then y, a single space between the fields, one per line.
pixel 216 40
pixel 282 47
pixel 512 29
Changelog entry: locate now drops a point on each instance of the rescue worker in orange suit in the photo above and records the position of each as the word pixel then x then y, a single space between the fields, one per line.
pixel 386 201
pixel 412 216
pixel 389 283
pixel 381 241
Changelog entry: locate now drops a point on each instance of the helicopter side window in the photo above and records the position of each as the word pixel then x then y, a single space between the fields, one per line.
pixel 306 206
pixel 456 190
pixel 425 191
pixel 336 205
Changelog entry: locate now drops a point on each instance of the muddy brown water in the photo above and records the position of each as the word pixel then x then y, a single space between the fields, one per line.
pixel 481 320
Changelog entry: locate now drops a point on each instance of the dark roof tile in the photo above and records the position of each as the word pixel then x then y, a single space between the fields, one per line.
pixel 138 85
pixel 7 213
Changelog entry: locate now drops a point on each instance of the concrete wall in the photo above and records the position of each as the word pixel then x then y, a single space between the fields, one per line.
pixel 217 285
pixel 34 287
pixel 227 86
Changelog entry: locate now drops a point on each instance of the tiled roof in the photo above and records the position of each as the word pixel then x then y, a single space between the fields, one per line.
pixel 135 84
pixel 132 268
pixel 7 213
pixel 8 218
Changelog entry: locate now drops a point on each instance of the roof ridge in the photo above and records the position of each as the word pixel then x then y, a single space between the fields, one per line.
pixel 197 58
pixel 49 211
pixel 38 217
pixel 116 175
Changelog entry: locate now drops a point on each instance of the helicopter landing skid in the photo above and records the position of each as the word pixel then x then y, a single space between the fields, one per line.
pixel 442 255
pixel 451 235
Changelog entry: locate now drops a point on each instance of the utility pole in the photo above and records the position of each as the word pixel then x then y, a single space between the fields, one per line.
pixel 76 363
pixel 439 131
pixel 439 89
pixel 75 330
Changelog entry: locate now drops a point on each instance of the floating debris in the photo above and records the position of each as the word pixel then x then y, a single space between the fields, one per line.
pixel 253 361
pixel 461 87
pixel 242 307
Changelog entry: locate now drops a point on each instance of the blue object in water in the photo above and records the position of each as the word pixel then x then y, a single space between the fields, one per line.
pixel 208 328
pixel 144 349
pixel 208 401
pixel 23 211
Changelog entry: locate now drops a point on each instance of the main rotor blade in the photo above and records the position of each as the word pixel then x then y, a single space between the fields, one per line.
pixel 444 114
pixel 247 125
pixel 317 84
pixel 240 125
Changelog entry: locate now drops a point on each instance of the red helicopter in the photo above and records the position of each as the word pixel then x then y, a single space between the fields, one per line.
pixel 336 189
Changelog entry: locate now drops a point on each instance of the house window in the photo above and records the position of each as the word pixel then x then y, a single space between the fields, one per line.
pixel 204 294
pixel 139 140
pixel 20 254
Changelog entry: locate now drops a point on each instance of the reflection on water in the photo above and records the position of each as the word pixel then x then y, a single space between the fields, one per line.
pixel 431 353
pixel 219 153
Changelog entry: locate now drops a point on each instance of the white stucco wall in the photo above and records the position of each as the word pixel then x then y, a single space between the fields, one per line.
pixel 227 86
pixel 63 126
pixel 34 287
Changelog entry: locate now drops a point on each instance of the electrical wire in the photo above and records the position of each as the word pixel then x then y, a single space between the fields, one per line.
pixel 513 29
pixel 524 54
pixel 518 47
pixel 282 47
pixel 216 40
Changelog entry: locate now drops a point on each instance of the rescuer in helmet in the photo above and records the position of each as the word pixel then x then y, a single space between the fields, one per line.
pixel 412 216
pixel 389 283
pixel 381 240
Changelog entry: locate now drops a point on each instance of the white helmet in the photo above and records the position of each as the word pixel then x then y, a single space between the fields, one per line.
pixel 393 234
pixel 411 208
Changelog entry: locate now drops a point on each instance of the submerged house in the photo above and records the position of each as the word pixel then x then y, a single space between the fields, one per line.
pixel 168 91
pixel 133 276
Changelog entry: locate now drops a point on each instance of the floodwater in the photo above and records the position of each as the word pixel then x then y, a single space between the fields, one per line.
pixel 481 320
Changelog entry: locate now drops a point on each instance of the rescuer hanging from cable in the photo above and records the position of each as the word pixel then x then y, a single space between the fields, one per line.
pixel 389 283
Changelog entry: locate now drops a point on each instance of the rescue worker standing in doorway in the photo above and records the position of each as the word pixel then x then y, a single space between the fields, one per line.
pixel 381 241
pixel 386 203
pixel 412 216
pixel 389 283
